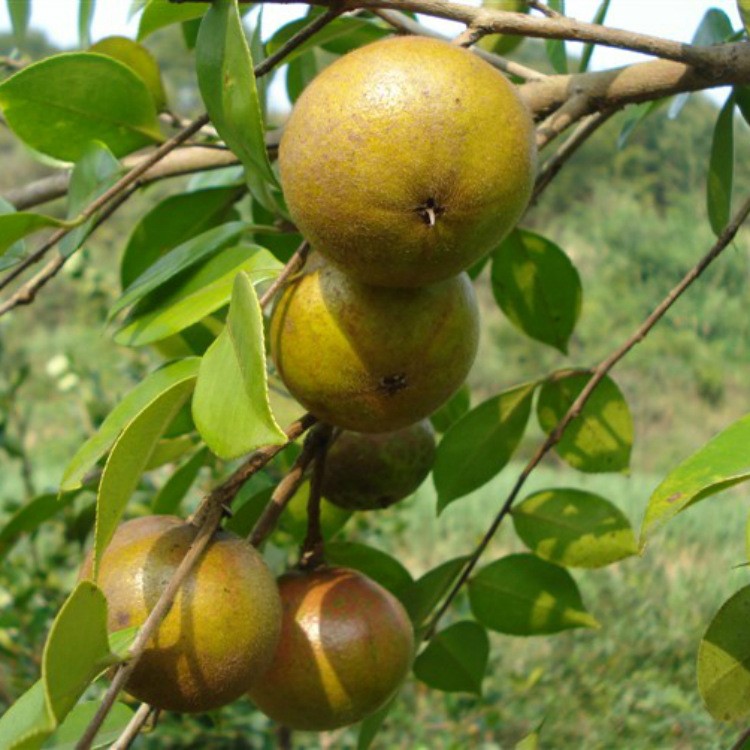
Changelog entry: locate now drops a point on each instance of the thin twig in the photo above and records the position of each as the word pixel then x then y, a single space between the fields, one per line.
pixel 312 547
pixel 131 731
pixel 598 374
pixel 11 63
pixel 295 264
pixel 743 738
pixel 544 9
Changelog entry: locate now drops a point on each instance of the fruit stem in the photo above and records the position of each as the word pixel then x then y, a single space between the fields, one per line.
pixel 313 551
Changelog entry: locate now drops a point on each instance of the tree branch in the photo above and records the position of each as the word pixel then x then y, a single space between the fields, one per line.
pixel 598 374
pixel 132 730
pixel 312 547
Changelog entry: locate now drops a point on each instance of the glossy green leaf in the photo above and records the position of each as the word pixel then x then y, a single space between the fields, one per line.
pixel 120 641
pixel 171 223
pixel 93 174
pixel 452 410
pixel 374 563
pixel 724 660
pixel 167 500
pixel 77 648
pixel 524 595
pixel 20 13
pixel 16 226
pixel 246 515
pixel 230 406
pixel 144 394
pixel 588 48
pixel 201 293
pixel 601 437
pixel 16 250
pixel 555 48
pixel 574 528
pixel 427 592
pixel 170 449
pixel 227 84
pixel 129 457
pixel 300 72
pixel 160 13
pixel 537 287
pixel 455 660
pixel 721 463
pixel 89 97
pixel 185 256
pixel 28 722
pixel 721 169
pixel 86 10
pixel 70 731
pixel 480 444
pixel 139 60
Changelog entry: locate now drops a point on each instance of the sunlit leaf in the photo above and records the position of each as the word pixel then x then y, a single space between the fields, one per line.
pixel 15 226
pixel 428 591
pixel 66 736
pixel 160 13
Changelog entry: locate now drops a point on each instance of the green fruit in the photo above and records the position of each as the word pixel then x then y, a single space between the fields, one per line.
pixel 407 160
pixel 346 645
pixel 372 359
pixel 369 471
pixel 222 628
pixel 503 44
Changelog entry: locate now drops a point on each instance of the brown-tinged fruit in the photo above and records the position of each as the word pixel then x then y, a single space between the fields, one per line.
pixel 407 160
pixel 370 471
pixel 346 645
pixel 222 628
pixel 373 359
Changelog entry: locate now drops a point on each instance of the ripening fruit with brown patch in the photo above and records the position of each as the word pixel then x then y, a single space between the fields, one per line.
pixel 407 160
pixel 373 359
pixel 370 471
pixel 346 645
pixel 222 628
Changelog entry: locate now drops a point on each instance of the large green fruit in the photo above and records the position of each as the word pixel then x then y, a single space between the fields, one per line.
pixel 346 645
pixel 222 628
pixel 373 359
pixel 407 160
pixel 369 471
pixel 502 44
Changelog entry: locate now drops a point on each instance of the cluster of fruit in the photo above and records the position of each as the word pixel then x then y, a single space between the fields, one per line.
pixel 403 163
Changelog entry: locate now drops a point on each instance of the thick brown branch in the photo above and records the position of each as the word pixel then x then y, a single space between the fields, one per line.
pixel 598 374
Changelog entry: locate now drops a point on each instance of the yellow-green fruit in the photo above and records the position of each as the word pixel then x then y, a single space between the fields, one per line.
pixel 370 471
pixel 346 645
pixel 407 160
pixel 222 628
pixel 502 44
pixel 373 359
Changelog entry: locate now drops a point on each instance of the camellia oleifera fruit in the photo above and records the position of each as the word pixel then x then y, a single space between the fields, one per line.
pixel 222 629
pixel 407 160
pixel 346 645
pixel 370 471
pixel 502 44
pixel 373 359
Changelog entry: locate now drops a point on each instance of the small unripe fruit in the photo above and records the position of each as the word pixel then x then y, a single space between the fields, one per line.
pixel 370 471
pixel 373 359
pixel 346 645
pixel 224 624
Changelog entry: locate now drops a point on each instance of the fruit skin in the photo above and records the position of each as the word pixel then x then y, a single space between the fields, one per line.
pixel 223 626
pixel 392 131
pixel 370 471
pixel 346 645
pixel 373 359
pixel 502 44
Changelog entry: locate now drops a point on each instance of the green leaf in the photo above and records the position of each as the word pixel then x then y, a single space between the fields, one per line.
pixel 201 293
pixel 601 437
pixel 128 460
pixel 12 254
pixel 724 660
pixel 721 463
pixel 70 731
pixel 537 287
pixel 246 515
pixel 523 595
pixel 428 591
pixel 230 406
pixel 89 97
pixel 170 449
pixel 184 256
pixel 167 500
pixel 455 660
pixel 16 226
pixel 743 6
pixel 144 394
pixel 374 563
pixel 742 100
pixel 721 169
pixel 480 444
pixel 139 60
pixel 300 72
pixel 20 13
pixel 160 13
pixel 121 640
pixel 28 722
pixel 634 116
pixel 452 410
pixel 86 10
pixel 94 173
pixel 370 727
pixel 588 48
pixel 171 223
pixel 574 528
pixel 294 521
pixel 30 517
pixel 227 84
pixel 555 48
pixel 529 742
